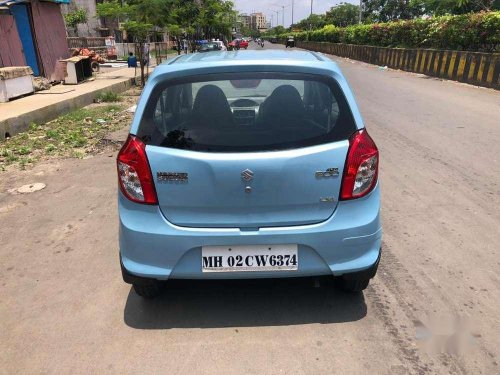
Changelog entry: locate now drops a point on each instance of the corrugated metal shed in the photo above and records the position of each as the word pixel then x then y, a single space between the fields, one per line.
pixel 44 33
pixel 10 43
pixel 50 32
pixel 6 3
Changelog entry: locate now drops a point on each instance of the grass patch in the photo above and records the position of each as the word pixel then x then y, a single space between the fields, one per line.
pixel 108 97
pixel 72 135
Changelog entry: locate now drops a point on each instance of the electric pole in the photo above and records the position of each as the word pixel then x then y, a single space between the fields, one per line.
pixel 360 11
pixel 277 15
pixel 283 10
pixel 311 7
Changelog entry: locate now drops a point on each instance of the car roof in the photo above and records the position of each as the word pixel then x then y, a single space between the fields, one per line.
pixel 226 59
pixel 250 56
pixel 297 61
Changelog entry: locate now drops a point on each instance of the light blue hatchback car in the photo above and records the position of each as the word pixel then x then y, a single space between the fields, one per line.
pixel 248 164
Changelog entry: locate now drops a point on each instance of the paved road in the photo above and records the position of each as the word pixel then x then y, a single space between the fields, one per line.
pixel 64 309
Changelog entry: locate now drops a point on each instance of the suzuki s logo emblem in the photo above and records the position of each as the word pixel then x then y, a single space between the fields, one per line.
pixel 247 175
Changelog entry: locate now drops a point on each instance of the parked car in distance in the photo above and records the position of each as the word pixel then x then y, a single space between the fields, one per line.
pixel 210 46
pixel 238 44
pixel 221 45
pixel 248 165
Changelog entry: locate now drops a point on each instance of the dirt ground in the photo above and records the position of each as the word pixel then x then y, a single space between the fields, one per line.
pixel 432 308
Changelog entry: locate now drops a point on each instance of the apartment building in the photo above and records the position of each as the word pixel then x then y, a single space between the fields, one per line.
pixel 258 21
pixel 246 20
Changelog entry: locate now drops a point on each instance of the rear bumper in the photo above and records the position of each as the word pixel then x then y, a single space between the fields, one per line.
pixel 347 243
pixel 368 273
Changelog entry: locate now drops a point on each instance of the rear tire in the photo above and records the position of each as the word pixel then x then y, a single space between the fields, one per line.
pixel 358 281
pixel 94 65
pixel 352 285
pixel 149 291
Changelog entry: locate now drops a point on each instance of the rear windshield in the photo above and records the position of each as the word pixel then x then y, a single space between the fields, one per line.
pixel 246 112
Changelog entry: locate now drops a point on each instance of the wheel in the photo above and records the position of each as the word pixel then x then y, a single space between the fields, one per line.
pixel 149 291
pixel 94 65
pixel 352 285
pixel 357 281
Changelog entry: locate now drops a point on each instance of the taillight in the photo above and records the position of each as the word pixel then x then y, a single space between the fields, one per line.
pixel 361 169
pixel 134 174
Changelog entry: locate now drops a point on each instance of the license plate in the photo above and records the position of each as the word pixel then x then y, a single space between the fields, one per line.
pixel 249 258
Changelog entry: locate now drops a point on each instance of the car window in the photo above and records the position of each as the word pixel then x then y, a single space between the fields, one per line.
pixel 246 112
pixel 263 89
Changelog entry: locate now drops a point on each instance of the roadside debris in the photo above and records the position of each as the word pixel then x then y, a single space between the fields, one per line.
pixel 95 58
pixel 41 83
pixel 15 81
pixel 27 189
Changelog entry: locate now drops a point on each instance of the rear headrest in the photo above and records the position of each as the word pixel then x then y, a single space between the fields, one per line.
pixel 284 102
pixel 211 106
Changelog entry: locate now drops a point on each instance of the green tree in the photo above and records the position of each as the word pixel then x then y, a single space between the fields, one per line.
pixel 441 7
pixel 138 22
pixel 247 31
pixel 277 30
pixel 343 15
pixel 216 18
pixel 314 21
pixel 199 19
pixel 73 19
pixel 183 19
pixel 391 10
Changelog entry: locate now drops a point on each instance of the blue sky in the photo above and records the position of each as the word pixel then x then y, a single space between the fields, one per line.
pixel 302 8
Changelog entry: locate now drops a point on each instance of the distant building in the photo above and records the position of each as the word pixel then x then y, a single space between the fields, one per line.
pixel 103 26
pixel 245 20
pixel 254 21
pixel 95 26
pixel 258 21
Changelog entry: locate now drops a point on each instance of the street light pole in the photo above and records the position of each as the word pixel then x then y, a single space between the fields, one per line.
pixel 277 15
pixel 311 7
pixel 283 16
pixel 360 11
pixel 292 11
